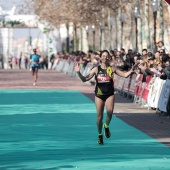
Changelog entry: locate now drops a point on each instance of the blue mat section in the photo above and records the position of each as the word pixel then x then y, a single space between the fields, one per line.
pixel 56 130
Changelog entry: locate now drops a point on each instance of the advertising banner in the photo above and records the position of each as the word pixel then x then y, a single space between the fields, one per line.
pixel 138 84
pixel 154 92
pixel 146 88
pixel 163 100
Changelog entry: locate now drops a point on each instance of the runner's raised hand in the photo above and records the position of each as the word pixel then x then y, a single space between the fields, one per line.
pixel 76 67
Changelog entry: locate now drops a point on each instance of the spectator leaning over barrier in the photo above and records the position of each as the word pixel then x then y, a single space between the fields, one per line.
pixel 164 67
pixel 144 67
pixel 151 63
pixel 104 90
pixel 158 67
pixel 127 64
pixel 167 71
pixel 136 57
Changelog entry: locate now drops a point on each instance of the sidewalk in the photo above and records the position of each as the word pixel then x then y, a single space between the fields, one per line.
pixel 148 122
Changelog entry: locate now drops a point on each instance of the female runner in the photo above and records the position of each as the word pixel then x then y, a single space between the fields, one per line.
pixel 104 91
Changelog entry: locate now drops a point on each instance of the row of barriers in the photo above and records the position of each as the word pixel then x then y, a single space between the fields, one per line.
pixel 153 93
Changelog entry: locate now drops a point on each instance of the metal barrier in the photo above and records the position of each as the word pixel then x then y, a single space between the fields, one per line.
pixel 150 93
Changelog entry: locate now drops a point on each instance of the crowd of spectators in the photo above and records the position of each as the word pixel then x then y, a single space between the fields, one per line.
pixel 155 64
pixel 150 63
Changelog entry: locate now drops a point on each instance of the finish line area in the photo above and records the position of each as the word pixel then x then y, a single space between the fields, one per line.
pixel 56 129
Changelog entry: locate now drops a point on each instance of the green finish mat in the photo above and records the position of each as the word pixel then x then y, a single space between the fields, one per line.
pixel 56 130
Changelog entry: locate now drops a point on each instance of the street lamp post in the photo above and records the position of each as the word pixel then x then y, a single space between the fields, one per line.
pixel 75 37
pixel 122 18
pixel 111 25
pixel 136 14
pixel 93 27
pixel 81 32
pixel 87 28
pixel 1 49
pixel 67 39
pixel 154 6
pixel 116 28
pixel 101 32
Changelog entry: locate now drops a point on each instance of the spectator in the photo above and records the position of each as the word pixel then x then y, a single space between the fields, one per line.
pixel 157 55
pixel 123 54
pixel 45 63
pixel 41 62
pixel 10 58
pixel 130 51
pixel 162 51
pixel 161 46
pixel 150 54
pixel 144 51
pixel 52 61
pixel 136 57
pixel 127 63
pixel 16 61
pixel 1 60
pixel 119 59
pixel 26 62
pixel 19 60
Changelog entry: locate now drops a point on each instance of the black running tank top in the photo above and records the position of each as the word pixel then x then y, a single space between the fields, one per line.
pixel 104 81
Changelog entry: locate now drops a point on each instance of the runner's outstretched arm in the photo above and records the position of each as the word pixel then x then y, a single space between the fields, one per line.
pixel 84 78
pixel 124 74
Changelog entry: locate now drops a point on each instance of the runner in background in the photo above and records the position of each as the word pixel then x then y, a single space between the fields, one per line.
pixel 34 58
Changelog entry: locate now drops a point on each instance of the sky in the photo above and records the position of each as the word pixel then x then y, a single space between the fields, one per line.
pixel 26 32
pixel 7 4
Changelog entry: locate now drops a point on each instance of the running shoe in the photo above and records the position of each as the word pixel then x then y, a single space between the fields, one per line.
pixel 100 140
pixel 107 131
pixel 34 83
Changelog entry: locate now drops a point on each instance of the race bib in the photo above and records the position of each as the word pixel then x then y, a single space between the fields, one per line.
pixel 103 79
